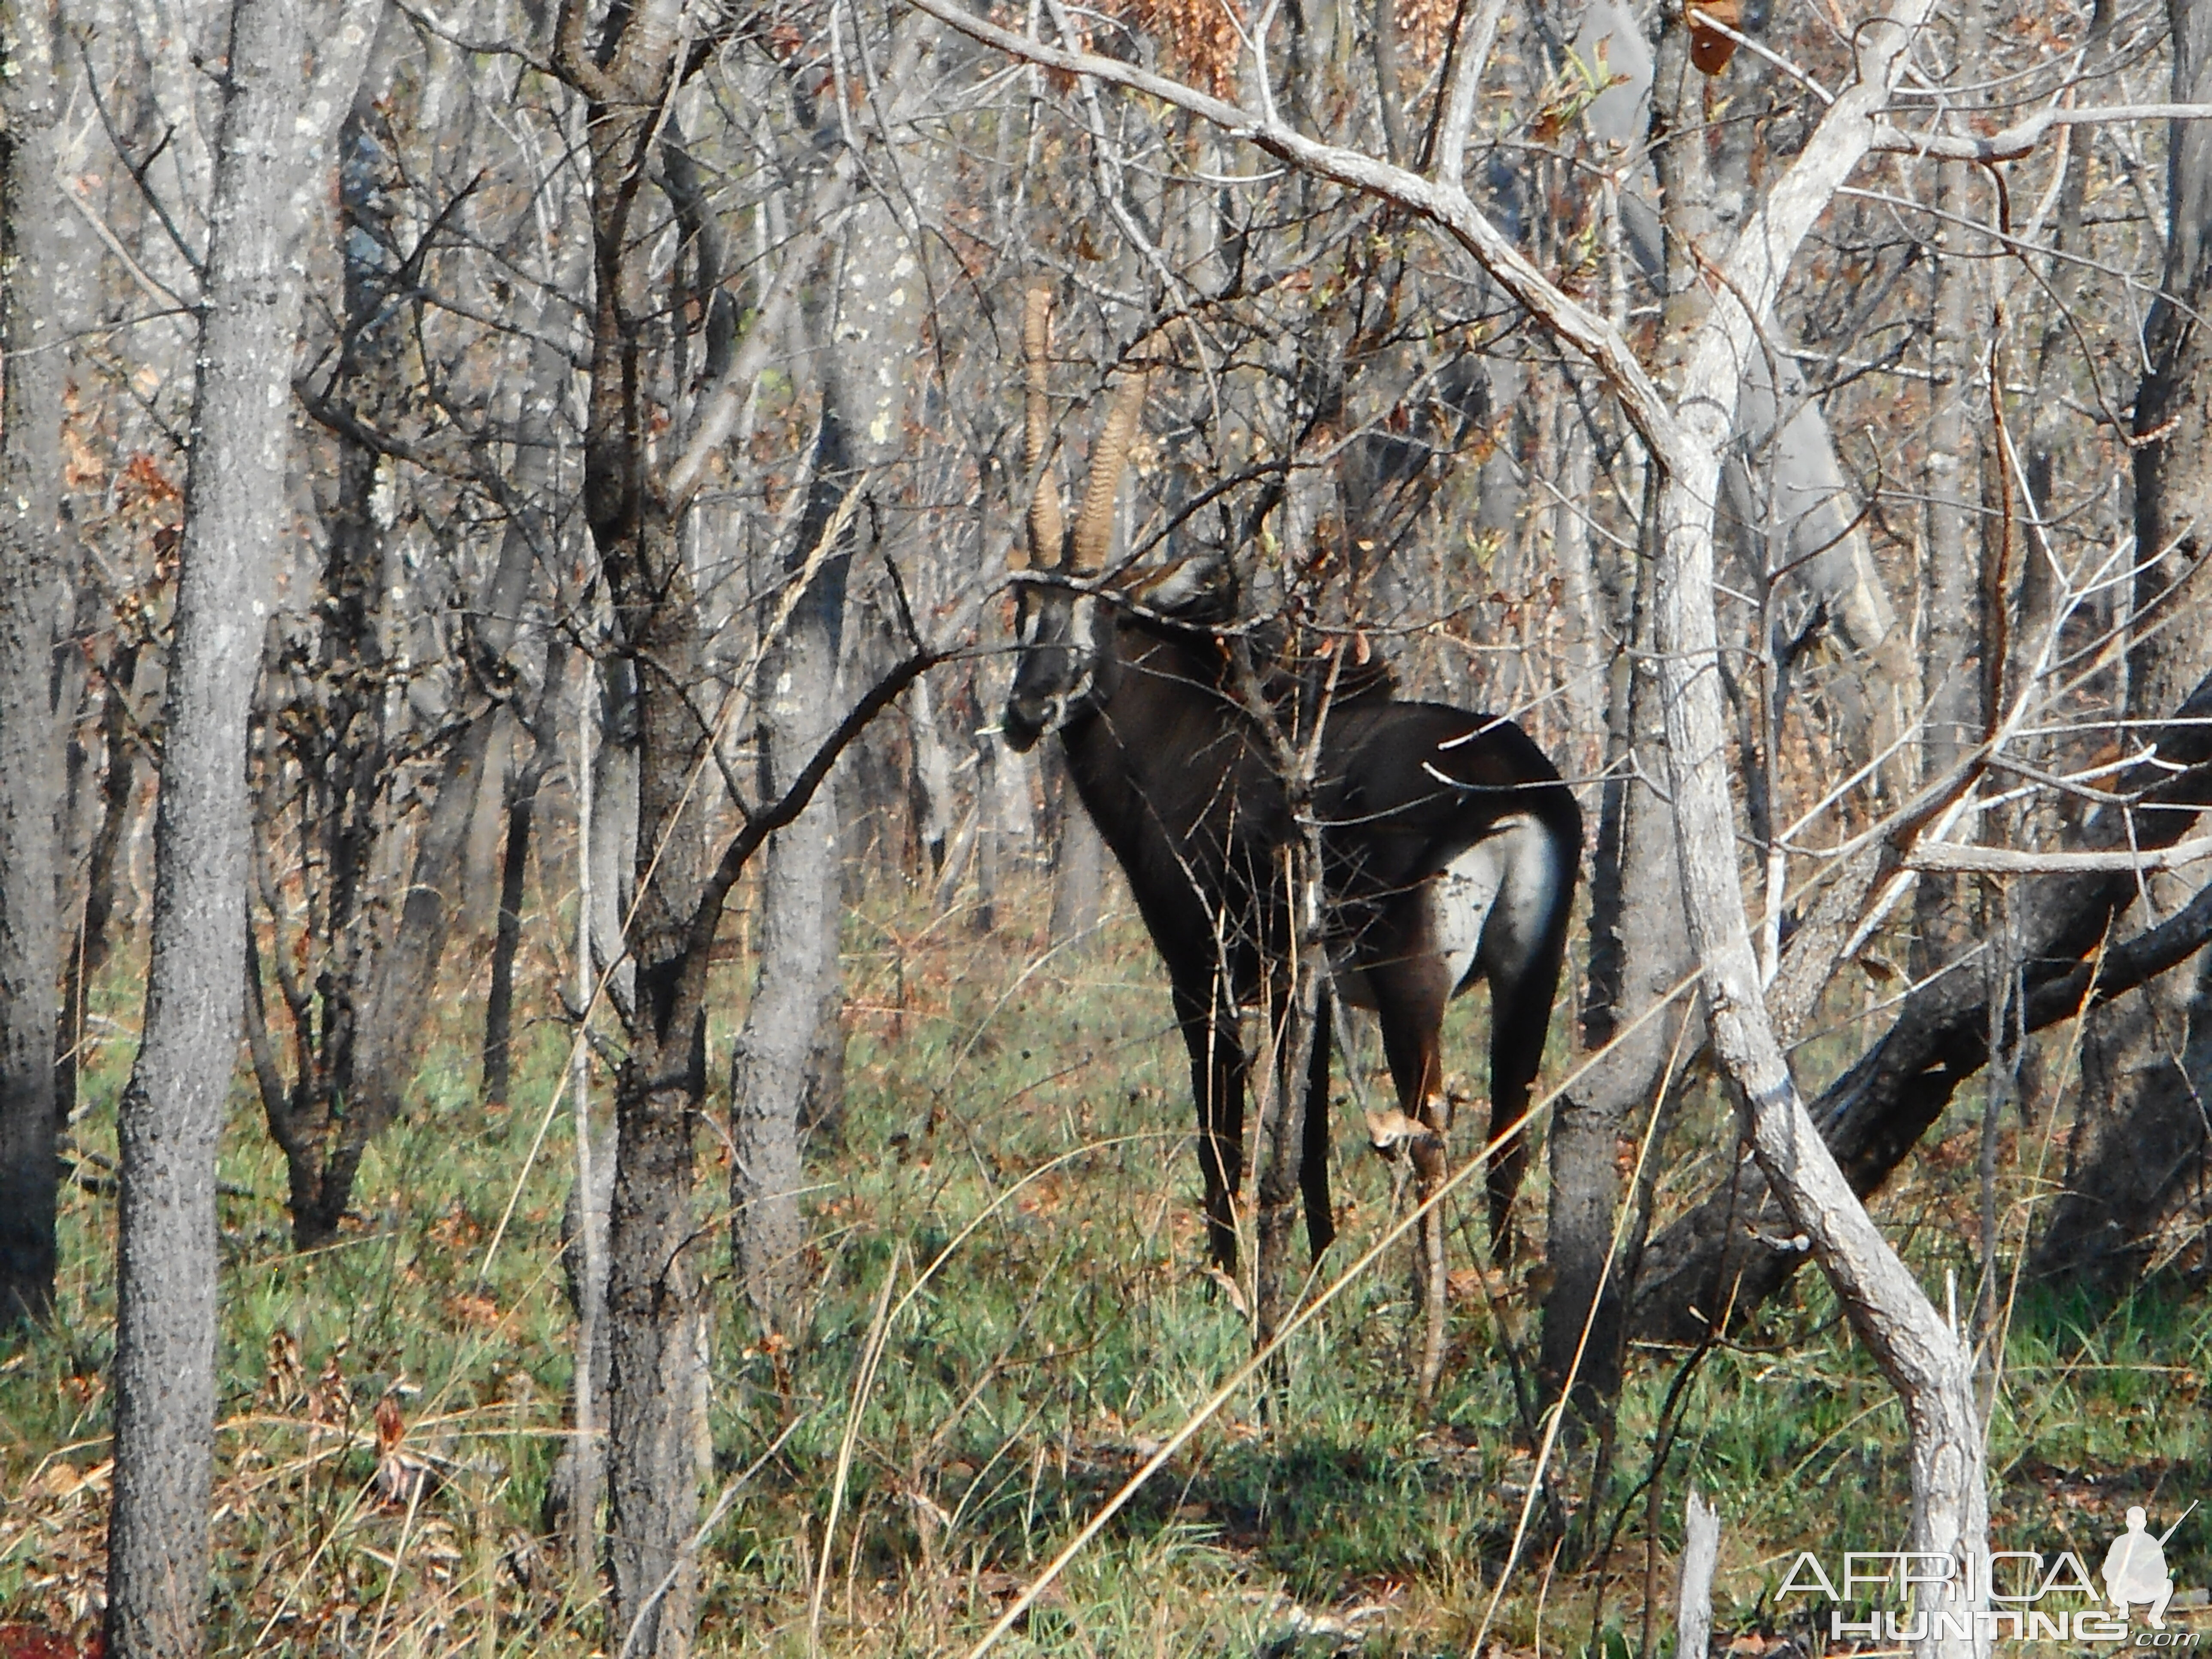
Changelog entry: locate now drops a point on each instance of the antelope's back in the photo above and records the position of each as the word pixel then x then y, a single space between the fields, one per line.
pixel 1406 787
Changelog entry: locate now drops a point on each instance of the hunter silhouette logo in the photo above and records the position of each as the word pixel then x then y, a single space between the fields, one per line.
pixel 2134 1568
pixel 1988 1596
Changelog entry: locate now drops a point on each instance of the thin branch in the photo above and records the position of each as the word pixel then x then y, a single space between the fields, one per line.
pixel 2005 861
pixel 2016 140
pixel 795 800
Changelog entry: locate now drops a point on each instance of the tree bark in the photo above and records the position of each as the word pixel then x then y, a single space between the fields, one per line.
pixel 1079 871
pixel 863 430
pixel 654 1296
pixel 1639 948
pixel 1639 952
pixel 507 939
pixel 1926 1362
pixel 235 515
pixel 1952 673
pixel 2137 1147
pixel 31 587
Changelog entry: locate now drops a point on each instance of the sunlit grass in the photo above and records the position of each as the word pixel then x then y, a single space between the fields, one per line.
pixel 1072 1330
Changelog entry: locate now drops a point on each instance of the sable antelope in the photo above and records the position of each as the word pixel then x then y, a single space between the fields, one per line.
pixel 1449 847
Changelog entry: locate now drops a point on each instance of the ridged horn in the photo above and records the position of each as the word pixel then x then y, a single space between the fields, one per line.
pixel 1110 456
pixel 1045 521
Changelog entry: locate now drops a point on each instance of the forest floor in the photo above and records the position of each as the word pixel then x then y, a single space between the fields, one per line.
pixel 1023 1114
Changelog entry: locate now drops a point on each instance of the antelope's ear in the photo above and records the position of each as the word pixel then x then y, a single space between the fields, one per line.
pixel 1189 582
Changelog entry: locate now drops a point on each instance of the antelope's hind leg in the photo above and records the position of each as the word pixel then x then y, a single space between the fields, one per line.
pixel 1524 941
pixel 1410 1005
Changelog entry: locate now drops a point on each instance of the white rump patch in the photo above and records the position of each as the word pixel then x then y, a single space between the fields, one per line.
pixel 1490 904
pixel 1460 903
pixel 1486 909
pixel 1514 931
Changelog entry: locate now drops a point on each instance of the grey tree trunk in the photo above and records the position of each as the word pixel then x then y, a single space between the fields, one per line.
pixel 1078 867
pixel 930 787
pixel 798 946
pixel 653 1298
pixel 523 784
pixel 1952 668
pixel 31 587
pixel 863 423
pixel 1640 950
pixel 234 515
pixel 2138 1147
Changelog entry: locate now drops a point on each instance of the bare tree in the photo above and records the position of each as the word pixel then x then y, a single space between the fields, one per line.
pixel 2141 1157
pixel 635 505
pixel 32 588
pixel 872 338
pixel 170 1113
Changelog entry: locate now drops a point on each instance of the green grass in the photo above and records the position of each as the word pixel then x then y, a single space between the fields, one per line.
pixel 1073 1330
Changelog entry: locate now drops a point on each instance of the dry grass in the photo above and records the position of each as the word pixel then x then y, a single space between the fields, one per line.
pixel 391 1406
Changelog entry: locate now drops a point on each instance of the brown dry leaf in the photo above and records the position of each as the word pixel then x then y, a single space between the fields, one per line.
pixel 391 1428
pixel 330 1402
pixel 1387 1130
pixel 1711 50
pixel 472 1310
pixel 1229 1289
pixel 284 1381
pixel 402 1478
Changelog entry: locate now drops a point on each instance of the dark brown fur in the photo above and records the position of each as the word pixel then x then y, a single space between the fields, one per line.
pixel 1182 788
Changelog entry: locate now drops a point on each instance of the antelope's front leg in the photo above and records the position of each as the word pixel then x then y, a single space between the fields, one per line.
pixel 1218 1077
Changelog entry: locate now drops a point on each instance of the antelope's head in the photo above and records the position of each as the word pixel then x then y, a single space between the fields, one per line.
pixel 1060 629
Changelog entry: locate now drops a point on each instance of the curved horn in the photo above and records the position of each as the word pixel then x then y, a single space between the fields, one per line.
pixel 1094 524
pixel 1044 520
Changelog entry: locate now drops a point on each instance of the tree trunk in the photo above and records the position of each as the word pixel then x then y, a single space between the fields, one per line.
pixel 930 786
pixel 1639 952
pixel 31 587
pixel 1639 949
pixel 798 945
pixel 507 939
pixel 2137 1146
pixel 863 431
pixel 1080 859
pixel 1952 671
pixel 1924 1360
pixel 653 1294
pixel 235 515
pixel 87 953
